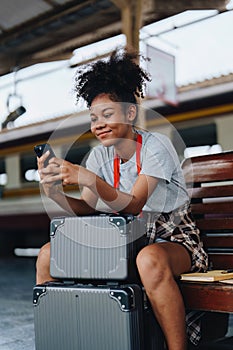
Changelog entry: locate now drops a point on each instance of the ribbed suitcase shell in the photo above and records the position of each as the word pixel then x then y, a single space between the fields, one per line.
pixel 96 247
pixel 78 317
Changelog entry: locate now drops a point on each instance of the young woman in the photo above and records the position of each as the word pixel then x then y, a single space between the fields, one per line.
pixel 132 171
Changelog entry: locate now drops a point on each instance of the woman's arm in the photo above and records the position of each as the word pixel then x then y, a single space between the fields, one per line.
pixel 95 187
pixel 124 202
pixel 77 206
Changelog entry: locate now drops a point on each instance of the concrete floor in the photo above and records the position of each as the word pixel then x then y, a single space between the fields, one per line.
pixel 17 279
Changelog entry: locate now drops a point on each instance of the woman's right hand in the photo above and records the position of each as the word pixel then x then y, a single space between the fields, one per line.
pixel 51 187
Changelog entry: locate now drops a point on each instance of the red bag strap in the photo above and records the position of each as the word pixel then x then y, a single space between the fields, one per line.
pixel 116 162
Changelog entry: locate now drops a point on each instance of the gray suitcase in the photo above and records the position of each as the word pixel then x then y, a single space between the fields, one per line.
pixel 101 247
pixel 84 317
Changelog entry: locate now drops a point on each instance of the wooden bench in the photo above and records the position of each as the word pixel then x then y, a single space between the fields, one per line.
pixel 210 185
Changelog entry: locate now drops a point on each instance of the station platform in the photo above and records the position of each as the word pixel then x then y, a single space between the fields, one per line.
pixel 17 279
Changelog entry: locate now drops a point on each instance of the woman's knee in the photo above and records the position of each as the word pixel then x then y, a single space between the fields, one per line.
pixel 152 261
pixel 44 255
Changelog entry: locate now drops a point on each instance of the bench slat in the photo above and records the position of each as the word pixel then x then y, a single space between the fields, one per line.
pixel 207 296
pixel 215 224
pixel 215 208
pixel 218 240
pixel 217 167
pixel 211 192
pixel 207 174
pixel 221 261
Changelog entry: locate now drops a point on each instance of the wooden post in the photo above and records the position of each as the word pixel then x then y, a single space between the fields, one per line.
pixel 132 21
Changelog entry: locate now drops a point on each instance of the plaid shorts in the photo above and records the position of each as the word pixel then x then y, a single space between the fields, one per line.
pixel 178 226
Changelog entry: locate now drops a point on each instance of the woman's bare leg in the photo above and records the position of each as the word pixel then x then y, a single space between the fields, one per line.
pixel 43 265
pixel 158 264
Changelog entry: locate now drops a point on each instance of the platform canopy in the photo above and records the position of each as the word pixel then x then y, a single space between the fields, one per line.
pixel 35 31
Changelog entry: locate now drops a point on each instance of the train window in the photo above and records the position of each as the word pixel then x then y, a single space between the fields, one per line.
pixel 76 154
pixel 28 166
pixel 3 174
pixel 200 135
pixel 199 140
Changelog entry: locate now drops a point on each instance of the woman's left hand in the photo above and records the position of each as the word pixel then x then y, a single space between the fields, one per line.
pixel 64 171
pixel 69 173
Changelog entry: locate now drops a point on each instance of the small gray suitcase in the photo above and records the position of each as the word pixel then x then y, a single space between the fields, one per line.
pixel 100 247
pixel 84 317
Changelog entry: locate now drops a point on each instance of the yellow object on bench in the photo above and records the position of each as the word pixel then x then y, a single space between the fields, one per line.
pixel 209 276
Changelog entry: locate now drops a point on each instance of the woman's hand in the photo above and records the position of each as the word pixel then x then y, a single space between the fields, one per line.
pixel 49 183
pixel 61 171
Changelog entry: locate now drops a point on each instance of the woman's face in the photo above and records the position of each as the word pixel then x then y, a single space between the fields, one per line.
pixel 109 123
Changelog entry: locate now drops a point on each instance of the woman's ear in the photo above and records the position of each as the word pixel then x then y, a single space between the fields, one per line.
pixel 132 113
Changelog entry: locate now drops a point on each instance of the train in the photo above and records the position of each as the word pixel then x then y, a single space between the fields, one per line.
pixel 202 121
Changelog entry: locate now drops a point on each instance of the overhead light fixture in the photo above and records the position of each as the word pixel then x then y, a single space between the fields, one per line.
pixel 16 112
pixel 13 116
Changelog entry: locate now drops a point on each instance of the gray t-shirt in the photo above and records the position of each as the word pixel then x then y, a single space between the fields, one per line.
pixel 158 159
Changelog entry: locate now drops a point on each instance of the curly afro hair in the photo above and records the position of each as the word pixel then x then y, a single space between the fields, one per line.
pixel 119 76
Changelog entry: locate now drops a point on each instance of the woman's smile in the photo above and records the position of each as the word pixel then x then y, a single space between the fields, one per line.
pixel 103 134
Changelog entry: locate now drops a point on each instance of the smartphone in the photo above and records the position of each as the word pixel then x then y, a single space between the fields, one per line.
pixel 41 149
